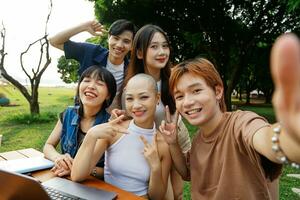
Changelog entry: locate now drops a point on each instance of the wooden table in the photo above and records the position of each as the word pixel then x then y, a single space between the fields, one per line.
pixel 44 175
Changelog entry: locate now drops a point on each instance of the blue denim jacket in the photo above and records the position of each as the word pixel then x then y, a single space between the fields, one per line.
pixel 88 54
pixel 70 127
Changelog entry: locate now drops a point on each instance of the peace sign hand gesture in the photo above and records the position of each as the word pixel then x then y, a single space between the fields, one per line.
pixel 168 128
pixel 108 130
pixel 150 152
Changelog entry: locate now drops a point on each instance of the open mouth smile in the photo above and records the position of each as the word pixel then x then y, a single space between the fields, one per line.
pixel 193 111
pixel 90 94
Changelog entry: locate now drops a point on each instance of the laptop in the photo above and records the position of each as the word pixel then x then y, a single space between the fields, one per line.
pixel 14 186
pixel 25 165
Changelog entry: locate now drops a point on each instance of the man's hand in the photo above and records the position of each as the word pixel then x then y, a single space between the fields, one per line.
pixel 285 68
pixel 168 127
pixel 94 28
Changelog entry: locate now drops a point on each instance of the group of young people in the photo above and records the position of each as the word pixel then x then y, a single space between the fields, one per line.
pixel 133 109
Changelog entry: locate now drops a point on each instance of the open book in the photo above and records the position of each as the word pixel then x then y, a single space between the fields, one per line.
pixel 25 165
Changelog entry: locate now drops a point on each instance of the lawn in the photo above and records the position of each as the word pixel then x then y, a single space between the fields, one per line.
pixel 20 131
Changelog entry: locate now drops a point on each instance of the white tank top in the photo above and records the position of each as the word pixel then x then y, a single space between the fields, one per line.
pixel 125 165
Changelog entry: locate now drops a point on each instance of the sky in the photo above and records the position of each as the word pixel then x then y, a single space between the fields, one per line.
pixel 24 21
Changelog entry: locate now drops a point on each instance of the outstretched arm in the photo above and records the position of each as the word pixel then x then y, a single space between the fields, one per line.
pixel 93 27
pixel 285 67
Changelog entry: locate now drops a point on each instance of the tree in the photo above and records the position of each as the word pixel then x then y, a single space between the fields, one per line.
pixel 36 73
pixel 225 31
pixel 68 69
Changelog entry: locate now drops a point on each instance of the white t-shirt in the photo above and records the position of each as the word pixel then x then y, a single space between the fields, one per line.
pixel 117 71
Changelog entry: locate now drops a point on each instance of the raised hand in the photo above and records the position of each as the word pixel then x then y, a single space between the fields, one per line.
pixel 95 28
pixel 108 130
pixel 116 113
pixel 62 165
pixel 168 127
pixel 150 152
pixel 285 67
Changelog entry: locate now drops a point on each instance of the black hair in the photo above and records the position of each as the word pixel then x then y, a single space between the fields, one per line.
pixel 141 43
pixel 121 25
pixel 99 73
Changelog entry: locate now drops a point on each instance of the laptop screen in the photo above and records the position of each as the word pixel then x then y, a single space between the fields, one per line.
pixel 15 186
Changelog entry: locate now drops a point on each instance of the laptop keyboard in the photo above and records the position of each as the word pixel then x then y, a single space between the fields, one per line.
pixel 56 194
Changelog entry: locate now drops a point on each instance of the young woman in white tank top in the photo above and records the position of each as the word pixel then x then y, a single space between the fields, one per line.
pixel 137 159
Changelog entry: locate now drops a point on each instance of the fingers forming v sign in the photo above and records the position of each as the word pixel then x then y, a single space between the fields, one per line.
pixel 116 113
pixel 116 127
pixel 285 67
pixel 150 152
pixel 168 127
pixel 108 130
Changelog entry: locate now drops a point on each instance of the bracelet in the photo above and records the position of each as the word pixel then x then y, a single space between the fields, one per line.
pixel 281 157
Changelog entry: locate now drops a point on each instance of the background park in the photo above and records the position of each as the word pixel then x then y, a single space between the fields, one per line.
pixel 236 35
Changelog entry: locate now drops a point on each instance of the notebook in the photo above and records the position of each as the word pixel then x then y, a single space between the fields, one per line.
pixel 24 165
pixel 14 186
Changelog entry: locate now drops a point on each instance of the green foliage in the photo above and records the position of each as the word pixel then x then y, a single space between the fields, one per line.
pixel 99 40
pixel 293 5
pixel 227 32
pixel 68 69
pixel 32 119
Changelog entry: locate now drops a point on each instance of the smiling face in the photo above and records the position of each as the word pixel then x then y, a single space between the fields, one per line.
pixel 119 46
pixel 195 100
pixel 157 54
pixel 93 92
pixel 141 99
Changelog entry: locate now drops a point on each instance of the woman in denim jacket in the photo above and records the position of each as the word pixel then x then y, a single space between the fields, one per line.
pixel 96 90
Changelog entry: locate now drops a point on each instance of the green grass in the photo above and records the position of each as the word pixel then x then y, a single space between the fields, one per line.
pixel 19 130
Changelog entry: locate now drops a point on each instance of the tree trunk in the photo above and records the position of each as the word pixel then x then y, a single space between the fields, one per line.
pixel 268 96
pixel 34 107
pixel 228 92
pixel 34 103
pixel 36 72
pixel 248 97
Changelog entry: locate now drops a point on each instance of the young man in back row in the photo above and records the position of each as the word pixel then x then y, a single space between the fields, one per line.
pixel 120 37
